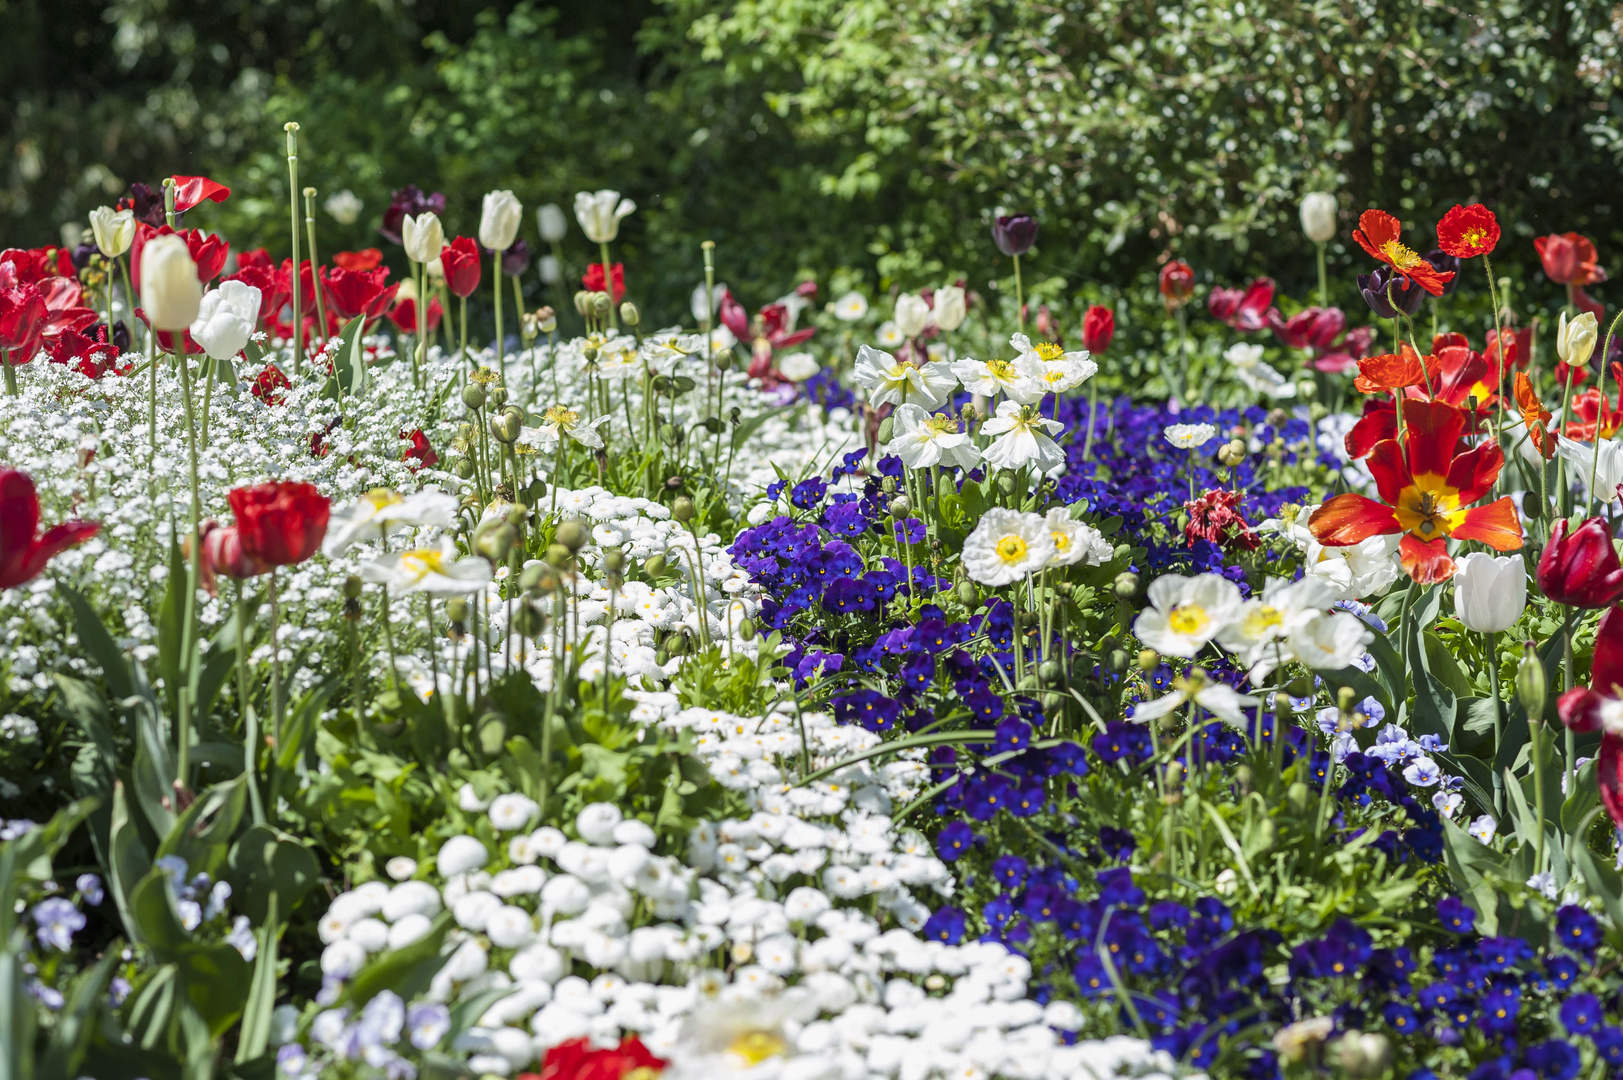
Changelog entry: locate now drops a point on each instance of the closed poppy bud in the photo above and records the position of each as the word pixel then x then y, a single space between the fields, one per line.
pixel 1581 569
pixel 1177 283
pixel 1014 233
pixel 499 220
pixel 170 291
pixel 1490 591
pixel 1319 216
pixel 1098 327
pixel 114 230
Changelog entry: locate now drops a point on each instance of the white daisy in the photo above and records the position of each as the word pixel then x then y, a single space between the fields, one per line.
pixel 1006 545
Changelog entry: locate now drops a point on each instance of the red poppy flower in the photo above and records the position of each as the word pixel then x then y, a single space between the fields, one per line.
pixel 22 322
pixel 1378 234
pixel 1569 259
pixel 404 315
pixel 23 554
pixel 1098 327
pixel 1392 372
pixel 1580 568
pixel 364 259
pixel 282 522
pixel 1246 310
pixel 463 266
pixel 191 190
pixel 1468 231
pixel 1426 491
pixel 208 252
pixel 576 1059
pixel 592 280
pixel 222 553
pixel 419 451
pixel 1595 413
pixel 1177 283
pixel 359 292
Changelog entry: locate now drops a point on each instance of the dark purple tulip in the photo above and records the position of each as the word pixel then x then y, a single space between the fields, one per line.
pixel 1407 293
pixel 1444 263
pixel 408 200
pixel 146 204
pixel 516 259
pixel 1014 233
pixel 82 254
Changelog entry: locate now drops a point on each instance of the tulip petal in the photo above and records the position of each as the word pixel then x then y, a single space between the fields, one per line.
pixel 1606 672
pixel 1495 524
pixel 1579 709
pixel 1434 430
pixel 1351 518
pixel 1426 563
pixel 1609 773
pixel 1473 473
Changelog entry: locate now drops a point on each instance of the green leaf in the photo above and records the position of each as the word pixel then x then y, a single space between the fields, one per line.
pixel 1476 868
pixel 99 644
pixel 128 862
pixel 264 861
pixel 349 360
pixel 254 1037
pixel 71 1034
pixel 152 903
pixel 200 835
pixel 1361 684
pixel 1443 667
pixel 1391 668
pixel 172 620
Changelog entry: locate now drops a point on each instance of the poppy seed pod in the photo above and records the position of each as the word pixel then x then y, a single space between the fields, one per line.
pixel 473 396
pixel 655 565
pixel 572 534
pixel 170 291
pixel 682 509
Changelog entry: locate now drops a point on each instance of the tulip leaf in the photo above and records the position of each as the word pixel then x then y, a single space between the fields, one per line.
pixel 349 359
pixel 264 861
pixel 99 644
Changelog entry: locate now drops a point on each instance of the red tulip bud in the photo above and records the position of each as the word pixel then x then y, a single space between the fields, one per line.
pixel 1581 569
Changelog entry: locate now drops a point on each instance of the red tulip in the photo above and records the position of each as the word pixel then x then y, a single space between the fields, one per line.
pixel 1311 328
pixel 578 1059
pixel 273 289
pixel 1244 309
pixel 359 292
pixel 1581 569
pixel 592 280
pixel 280 523
pixel 1177 283
pixel 1588 708
pixel 22 553
pixel 1569 259
pixel 33 265
pixel 92 357
pixel 271 385
pixel 166 338
pixel 256 257
pixel 1098 327
pixel 222 553
pixel 208 252
pixel 63 310
pixel 404 315
pixel 191 190
pixel 22 322
pixel 463 266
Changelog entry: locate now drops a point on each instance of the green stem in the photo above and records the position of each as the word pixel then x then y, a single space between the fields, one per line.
pixel 278 708
pixel 11 373
pixel 1324 280
pixel 315 281
pixel 250 720
pixel 1019 297
pixel 496 281
pixel 292 130
pixel 608 285
pixel 1498 722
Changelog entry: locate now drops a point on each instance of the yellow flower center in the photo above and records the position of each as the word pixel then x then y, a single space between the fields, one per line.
pixel 1011 549
pixel 1062 541
pixel 561 416
pixel 1475 236
pixel 1000 369
pixel 1188 619
pixel 419 564
pixel 1048 350
pixel 939 424
pixel 1263 619
pixel 379 498
pixel 1429 508
pixel 1399 256
pixel 755 1047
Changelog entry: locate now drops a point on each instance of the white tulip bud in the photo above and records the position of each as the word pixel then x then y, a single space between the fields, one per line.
pixel 344 206
pixel 499 221
pixel 551 272
pixel 551 222
pixel 912 315
pixel 599 214
pixel 1319 216
pixel 1575 340
pixel 170 291
pixel 226 318
pixel 423 236
pixel 114 230
pixel 951 308
pixel 1490 591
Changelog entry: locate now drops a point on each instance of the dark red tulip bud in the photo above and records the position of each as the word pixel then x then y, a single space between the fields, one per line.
pixel 1014 233
pixel 1581 569
pixel 1098 327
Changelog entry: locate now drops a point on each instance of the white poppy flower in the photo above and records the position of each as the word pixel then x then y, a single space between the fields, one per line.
pixel 1186 612
pixel 382 512
pixel 436 571
pixel 1024 437
pixel 1006 545
pixel 923 439
pixel 889 381
pixel 1020 379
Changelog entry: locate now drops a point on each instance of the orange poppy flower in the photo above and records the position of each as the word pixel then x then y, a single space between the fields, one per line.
pixel 1391 372
pixel 1426 491
pixel 1534 415
pixel 1378 233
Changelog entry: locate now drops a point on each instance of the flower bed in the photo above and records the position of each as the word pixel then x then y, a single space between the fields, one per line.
pixel 794 693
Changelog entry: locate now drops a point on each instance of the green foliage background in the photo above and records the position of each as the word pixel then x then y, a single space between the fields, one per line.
pixel 872 135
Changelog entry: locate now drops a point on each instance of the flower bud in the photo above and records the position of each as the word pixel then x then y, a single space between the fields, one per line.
pixel 352 587
pixel 614 561
pixel 505 428
pixel 1050 672
pixel 602 304
pixel 546 319
pixel 583 302
pixel 559 555
pixel 682 509
pixel 887 430
pixel 422 236
pixel 494 542
pixel 456 610
pixel 473 396
pixel 746 630
pixel 528 621
pixel 170 292
pixel 1126 585
pixel 1531 685
pixel 654 565
pixel 629 314
pixel 968 595
pixel 1117 660
pixel 1363 1054
pixel 114 230
pixel 1148 659
pixel 1319 216
pixel 572 534
pixel 1346 698
pixel 531 576
pixel 900 506
pixel 499 220
pixel 492 735
pixel 463 469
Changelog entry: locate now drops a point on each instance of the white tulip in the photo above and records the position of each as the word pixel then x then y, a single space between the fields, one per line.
pixel 1319 216
pixel 344 206
pixel 1575 340
pixel 551 272
pixel 499 221
pixel 423 236
pixel 551 222
pixel 912 315
pixel 114 230
pixel 170 291
pixel 226 319
pixel 1490 591
pixel 599 214
pixel 951 308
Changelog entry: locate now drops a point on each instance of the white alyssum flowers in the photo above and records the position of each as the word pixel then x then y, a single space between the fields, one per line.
pixel 1006 545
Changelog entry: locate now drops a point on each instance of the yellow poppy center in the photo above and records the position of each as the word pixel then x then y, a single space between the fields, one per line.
pixel 755 1047
pixel 1429 508
pixel 1399 256
pixel 940 424
pixel 419 564
pixel 561 415
pixel 379 498
pixel 1188 619
pixel 1263 619
pixel 1474 236
pixel 1062 541
pixel 1011 549
pixel 1000 369
pixel 1048 350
